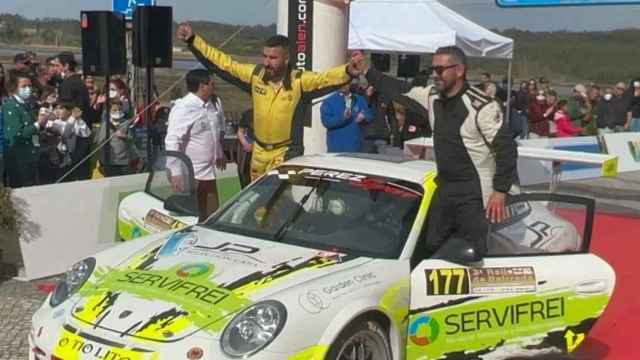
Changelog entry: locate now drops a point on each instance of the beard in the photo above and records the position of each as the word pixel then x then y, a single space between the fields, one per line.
pixel 440 85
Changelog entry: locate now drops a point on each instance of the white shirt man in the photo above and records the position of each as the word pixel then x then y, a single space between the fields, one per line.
pixel 195 128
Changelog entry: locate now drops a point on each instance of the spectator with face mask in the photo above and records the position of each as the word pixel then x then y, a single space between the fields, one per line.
pixel 610 113
pixel 21 132
pixel 537 123
pixel 118 91
pixel 118 156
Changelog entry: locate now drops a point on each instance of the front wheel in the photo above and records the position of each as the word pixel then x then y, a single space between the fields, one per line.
pixel 361 340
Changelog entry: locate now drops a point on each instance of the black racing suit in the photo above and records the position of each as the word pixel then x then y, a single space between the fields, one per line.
pixel 475 156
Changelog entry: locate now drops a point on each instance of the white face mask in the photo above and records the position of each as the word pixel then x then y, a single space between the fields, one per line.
pixel 25 93
pixel 608 97
pixel 117 115
pixel 113 94
pixel 540 97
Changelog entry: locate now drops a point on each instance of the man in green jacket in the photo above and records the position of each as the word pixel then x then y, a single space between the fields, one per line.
pixel 21 133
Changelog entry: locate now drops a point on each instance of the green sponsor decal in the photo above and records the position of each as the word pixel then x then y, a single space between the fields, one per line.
pixel 484 324
pixel 201 301
pixel 131 230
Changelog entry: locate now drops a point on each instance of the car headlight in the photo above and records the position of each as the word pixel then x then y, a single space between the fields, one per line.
pixel 253 329
pixel 73 281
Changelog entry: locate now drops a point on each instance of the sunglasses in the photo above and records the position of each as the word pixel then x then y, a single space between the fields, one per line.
pixel 440 69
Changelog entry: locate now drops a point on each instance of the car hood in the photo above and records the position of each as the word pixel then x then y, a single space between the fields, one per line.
pixel 193 281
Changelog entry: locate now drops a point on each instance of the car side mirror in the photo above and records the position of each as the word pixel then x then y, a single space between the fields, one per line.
pixel 458 250
pixel 182 203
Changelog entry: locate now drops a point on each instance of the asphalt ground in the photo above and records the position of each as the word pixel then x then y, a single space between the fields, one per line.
pixel 19 300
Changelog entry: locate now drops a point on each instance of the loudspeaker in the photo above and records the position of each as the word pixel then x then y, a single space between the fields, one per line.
pixel 408 65
pixel 104 50
pixel 153 36
pixel 381 62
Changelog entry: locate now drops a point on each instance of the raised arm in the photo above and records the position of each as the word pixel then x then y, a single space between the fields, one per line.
pixel 216 61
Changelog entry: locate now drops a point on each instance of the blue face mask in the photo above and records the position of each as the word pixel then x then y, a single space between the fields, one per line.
pixel 25 93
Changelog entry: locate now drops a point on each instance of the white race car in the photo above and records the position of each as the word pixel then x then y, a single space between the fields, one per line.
pixel 325 258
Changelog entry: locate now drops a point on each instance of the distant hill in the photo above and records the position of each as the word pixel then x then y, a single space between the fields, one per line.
pixel 602 57
pixel 15 29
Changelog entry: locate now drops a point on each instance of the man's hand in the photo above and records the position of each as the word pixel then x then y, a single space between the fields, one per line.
pixel 176 183
pixel 42 120
pixel 221 163
pixel 496 210
pixel 360 117
pixel 347 114
pixel 185 32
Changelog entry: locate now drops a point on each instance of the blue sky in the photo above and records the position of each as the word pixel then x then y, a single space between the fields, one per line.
pixel 483 12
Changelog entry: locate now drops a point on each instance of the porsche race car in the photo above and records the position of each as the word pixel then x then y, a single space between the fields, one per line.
pixel 325 258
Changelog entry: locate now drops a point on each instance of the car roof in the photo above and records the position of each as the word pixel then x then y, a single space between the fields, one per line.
pixel 397 167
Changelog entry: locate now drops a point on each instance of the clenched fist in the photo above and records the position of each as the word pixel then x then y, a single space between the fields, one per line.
pixel 184 31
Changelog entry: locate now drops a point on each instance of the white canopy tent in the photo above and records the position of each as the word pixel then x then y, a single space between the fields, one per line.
pixel 422 26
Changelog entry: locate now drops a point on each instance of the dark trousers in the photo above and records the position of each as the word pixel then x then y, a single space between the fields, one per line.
pixel 462 215
pixel 21 174
pixel 244 167
pixel 207 195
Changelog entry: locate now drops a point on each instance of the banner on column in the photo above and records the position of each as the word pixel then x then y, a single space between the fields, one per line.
pixel 301 40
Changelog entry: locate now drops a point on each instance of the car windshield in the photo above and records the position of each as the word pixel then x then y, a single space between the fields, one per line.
pixel 323 209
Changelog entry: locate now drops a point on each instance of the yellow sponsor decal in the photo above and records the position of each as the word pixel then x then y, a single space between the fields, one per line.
pixel 573 340
pixel 395 301
pixel 316 352
pixel 610 167
pixel 71 346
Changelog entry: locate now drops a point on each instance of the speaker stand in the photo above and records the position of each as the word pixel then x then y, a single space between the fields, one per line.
pixel 147 114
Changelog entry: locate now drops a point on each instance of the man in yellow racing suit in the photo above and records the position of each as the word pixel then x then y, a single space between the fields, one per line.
pixel 279 94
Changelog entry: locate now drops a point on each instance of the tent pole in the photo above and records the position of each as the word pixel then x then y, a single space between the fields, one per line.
pixel 508 118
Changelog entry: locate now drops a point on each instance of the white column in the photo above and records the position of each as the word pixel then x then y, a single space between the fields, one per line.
pixel 329 49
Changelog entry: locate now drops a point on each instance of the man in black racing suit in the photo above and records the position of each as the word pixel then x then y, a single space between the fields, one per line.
pixel 475 153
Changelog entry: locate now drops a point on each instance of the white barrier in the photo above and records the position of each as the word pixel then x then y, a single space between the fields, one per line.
pixel 68 222
pixel 627 147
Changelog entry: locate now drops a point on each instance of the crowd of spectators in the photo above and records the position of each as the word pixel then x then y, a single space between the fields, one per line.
pixel 536 109
pixel 53 118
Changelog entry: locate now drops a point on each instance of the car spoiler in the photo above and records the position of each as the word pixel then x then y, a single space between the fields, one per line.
pixel 608 163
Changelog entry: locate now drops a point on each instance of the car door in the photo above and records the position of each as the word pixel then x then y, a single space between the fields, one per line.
pixel 538 289
pixel 161 206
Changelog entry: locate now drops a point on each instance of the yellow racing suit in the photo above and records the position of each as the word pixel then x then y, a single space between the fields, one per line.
pixel 278 111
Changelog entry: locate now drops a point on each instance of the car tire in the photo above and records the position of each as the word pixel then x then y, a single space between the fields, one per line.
pixel 361 340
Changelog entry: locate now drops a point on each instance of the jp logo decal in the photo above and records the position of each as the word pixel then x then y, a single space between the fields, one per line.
pixel 424 330
pixel 192 270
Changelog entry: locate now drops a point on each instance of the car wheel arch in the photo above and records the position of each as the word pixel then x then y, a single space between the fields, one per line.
pixel 358 312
